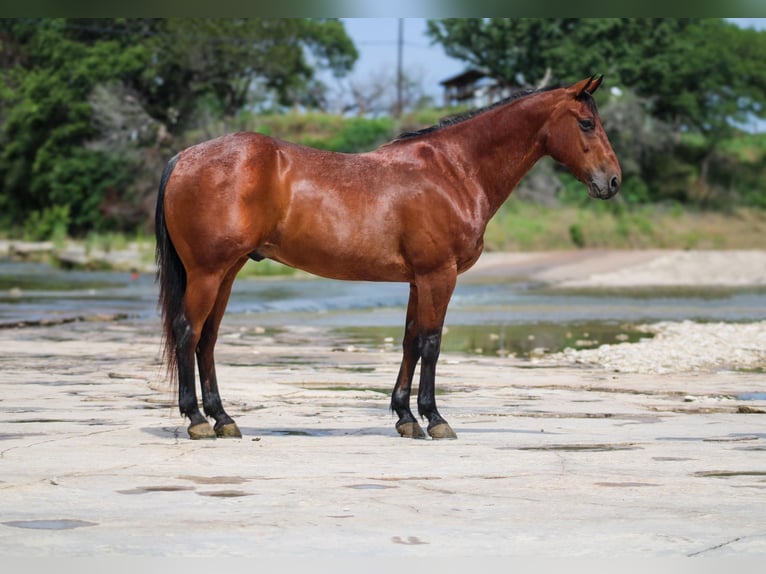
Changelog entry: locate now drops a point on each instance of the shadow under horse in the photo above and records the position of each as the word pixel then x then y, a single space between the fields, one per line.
pixel 414 210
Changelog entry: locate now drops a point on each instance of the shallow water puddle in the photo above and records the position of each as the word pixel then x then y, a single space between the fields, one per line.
pixel 52 524
pixel 751 397
pixel 408 541
pixel 40 420
pixel 729 473
pixel 11 436
pixel 340 387
pixel 215 479
pixel 626 484
pixel 598 447
pixel 287 432
pixel 732 438
pixel 521 340
pixel 225 493
pixel 148 489
pixel 88 422
pixel 369 486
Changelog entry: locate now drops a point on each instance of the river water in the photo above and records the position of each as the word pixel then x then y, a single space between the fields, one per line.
pixel 484 316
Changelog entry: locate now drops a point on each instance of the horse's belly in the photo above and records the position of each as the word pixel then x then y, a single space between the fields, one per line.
pixel 362 264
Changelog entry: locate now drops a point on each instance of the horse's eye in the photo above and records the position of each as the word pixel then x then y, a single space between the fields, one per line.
pixel 587 125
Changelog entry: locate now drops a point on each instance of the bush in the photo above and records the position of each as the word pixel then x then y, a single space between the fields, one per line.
pixel 355 135
pixel 79 182
pixel 49 224
pixel 576 235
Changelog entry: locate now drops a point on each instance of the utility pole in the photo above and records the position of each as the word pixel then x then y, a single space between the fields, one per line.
pixel 399 73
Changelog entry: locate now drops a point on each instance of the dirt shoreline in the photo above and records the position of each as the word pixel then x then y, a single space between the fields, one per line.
pixel 640 268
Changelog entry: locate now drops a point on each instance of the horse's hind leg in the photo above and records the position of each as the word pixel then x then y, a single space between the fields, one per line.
pixel 187 395
pixel 199 300
pixel 225 427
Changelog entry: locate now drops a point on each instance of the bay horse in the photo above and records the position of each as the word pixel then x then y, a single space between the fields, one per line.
pixel 413 211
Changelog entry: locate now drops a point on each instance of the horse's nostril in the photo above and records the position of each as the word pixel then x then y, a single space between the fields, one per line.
pixel 614 184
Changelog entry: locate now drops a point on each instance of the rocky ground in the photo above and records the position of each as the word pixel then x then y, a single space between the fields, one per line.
pixel 674 347
pixel 678 347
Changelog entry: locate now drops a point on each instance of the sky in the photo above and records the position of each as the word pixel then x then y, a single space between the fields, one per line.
pixel 376 39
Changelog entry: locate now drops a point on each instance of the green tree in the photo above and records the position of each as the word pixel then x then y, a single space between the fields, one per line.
pixel 514 51
pixel 696 73
pixel 46 119
pixel 53 71
pixel 227 64
pixel 688 76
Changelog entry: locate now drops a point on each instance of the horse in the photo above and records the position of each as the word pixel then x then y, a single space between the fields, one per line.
pixel 414 210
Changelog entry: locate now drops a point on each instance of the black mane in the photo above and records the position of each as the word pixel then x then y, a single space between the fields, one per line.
pixel 463 116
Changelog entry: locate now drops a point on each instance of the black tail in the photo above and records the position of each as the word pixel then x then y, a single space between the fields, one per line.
pixel 171 276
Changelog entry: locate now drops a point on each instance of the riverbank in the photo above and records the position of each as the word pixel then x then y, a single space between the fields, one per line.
pixel 608 269
pixel 98 254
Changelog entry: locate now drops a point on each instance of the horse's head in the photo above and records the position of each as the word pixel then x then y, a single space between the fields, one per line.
pixel 576 138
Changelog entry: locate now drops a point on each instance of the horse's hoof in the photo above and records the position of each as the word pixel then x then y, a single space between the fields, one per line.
pixel 410 430
pixel 442 431
pixel 229 430
pixel 201 430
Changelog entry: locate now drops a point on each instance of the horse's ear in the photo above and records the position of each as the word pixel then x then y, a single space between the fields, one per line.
pixel 588 85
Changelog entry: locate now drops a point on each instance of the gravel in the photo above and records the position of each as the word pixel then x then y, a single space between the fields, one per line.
pixel 675 347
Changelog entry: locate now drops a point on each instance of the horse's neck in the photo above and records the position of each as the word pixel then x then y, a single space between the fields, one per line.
pixel 505 144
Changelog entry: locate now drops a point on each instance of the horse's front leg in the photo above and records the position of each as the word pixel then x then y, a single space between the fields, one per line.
pixel 407 425
pixel 434 293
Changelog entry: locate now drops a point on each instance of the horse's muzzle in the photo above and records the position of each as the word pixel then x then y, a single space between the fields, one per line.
pixel 604 187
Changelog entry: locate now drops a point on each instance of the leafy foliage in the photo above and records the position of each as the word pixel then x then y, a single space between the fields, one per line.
pixel 698 72
pixel 85 103
pixel 677 77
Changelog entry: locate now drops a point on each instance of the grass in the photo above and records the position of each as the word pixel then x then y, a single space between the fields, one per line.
pixel 523 226
pixel 265 268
